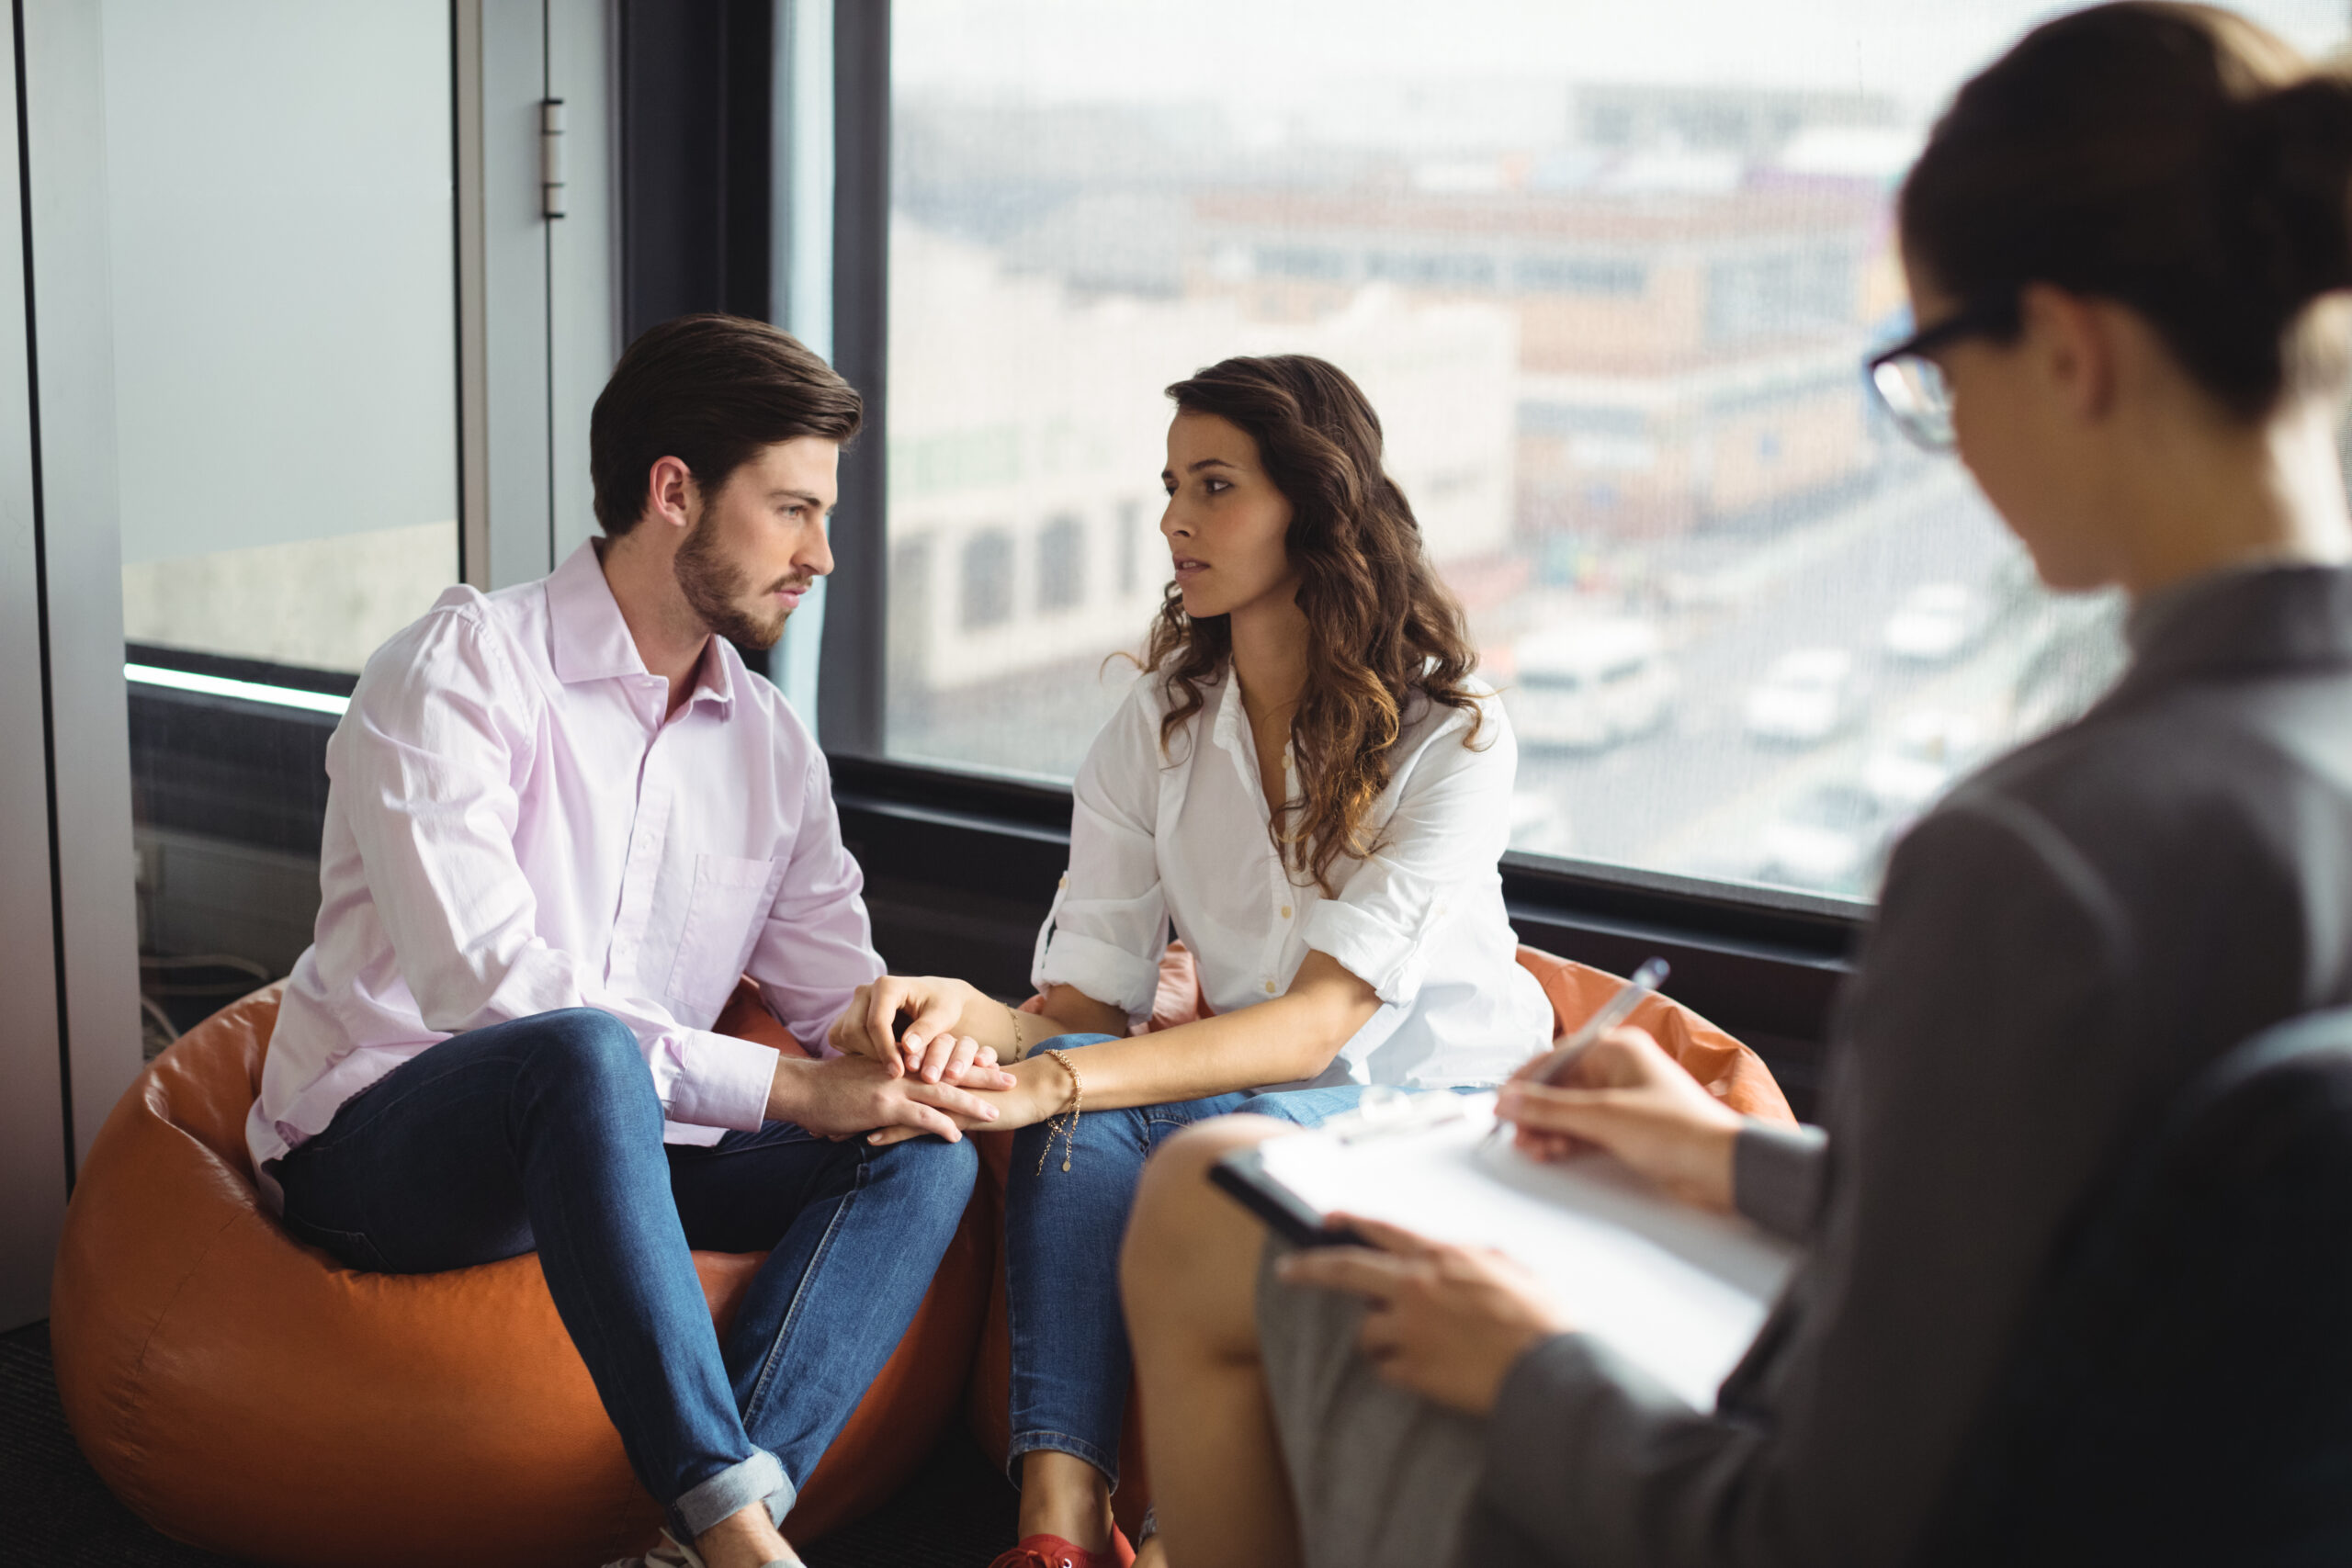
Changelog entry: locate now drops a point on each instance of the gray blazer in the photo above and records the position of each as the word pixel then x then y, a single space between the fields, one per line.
pixel 2059 948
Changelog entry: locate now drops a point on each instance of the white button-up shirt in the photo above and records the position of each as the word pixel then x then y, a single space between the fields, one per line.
pixel 516 824
pixel 1180 839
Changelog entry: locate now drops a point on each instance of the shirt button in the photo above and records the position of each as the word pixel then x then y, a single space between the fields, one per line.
pixel 1286 911
pixel 1270 987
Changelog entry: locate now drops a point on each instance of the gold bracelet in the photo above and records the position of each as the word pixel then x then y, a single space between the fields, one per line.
pixel 1020 1044
pixel 1065 1121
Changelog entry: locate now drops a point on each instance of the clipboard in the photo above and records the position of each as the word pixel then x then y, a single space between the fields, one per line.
pixel 1384 1113
pixel 1679 1292
pixel 1243 1176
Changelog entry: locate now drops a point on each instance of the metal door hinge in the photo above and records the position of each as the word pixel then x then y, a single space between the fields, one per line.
pixel 551 158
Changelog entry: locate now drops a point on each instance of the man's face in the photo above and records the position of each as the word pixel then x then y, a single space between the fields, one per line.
pixel 755 547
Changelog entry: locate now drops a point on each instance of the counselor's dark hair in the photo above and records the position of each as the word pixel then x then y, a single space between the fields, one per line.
pixel 711 391
pixel 2177 159
pixel 1381 628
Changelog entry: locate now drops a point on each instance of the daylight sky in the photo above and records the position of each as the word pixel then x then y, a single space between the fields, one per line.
pixel 1245 51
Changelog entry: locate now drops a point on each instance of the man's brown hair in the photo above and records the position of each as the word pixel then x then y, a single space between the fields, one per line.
pixel 711 391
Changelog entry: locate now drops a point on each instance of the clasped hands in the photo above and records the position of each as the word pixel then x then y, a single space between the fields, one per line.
pixel 1448 1322
pixel 934 1063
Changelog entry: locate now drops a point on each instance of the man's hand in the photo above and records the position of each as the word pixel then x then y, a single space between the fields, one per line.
pixel 844 1096
pixel 1626 1094
pixel 930 1048
pixel 1446 1322
pixel 1035 1089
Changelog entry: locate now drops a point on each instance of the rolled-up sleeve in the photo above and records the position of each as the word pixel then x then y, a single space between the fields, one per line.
pixel 1446 834
pixel 1108 925
pixel 425 763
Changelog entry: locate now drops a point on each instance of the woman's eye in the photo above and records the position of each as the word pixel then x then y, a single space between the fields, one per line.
pixel 1215 485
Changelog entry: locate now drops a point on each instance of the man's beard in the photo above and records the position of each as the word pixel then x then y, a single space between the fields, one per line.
pixel 713 587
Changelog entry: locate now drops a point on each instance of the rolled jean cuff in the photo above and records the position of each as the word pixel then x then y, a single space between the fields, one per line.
pixel 1061 1443
pixel 759 1479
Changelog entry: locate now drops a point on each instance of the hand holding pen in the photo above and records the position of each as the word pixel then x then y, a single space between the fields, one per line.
pixel 1634 1100
pixel 1548 1068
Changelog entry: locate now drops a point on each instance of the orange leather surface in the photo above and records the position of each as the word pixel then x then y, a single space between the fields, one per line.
pixel 1737 1075
pixel 247 1395
pixel 1575 990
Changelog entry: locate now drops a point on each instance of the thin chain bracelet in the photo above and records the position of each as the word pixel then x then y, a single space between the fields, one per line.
pixel 1020 1032
pixel 1065 1121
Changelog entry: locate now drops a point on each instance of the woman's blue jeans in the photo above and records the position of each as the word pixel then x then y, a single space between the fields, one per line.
pixel 1062 1230
pixel 544 1133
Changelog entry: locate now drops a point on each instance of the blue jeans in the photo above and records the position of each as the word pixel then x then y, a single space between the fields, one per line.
pixel 544 1133
pixel 1062 1230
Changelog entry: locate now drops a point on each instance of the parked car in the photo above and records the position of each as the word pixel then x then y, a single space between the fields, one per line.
pixel 1807 695
pixel 1936 621
pixel 1588 686
pixel 1929 750
pixel 1833 838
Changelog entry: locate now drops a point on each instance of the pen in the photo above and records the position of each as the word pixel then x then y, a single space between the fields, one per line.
pixel 1612 1013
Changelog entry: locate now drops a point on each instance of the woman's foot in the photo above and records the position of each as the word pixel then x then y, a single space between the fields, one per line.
pixel 1064 1498
pixel 1053 1552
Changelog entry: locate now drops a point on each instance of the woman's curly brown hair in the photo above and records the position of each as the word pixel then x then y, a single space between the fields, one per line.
pixel 1381 626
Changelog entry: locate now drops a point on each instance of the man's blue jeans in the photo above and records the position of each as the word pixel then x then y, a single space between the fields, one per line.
pixel 1062 1230
pixel 544 1133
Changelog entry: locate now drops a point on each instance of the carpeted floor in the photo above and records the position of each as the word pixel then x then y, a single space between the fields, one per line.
pixel 957 1513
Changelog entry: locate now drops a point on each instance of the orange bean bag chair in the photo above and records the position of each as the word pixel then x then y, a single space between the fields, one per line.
pixel 1733 1072
pixel 248 1394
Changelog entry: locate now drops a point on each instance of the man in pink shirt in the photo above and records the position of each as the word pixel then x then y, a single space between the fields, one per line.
pixel 562 821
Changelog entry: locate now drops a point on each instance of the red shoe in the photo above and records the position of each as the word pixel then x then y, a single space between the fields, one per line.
pixel 1053 1552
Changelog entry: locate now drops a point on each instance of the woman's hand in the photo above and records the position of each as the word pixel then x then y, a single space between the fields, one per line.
pixel 1446 1322
pixel 930 1048
pixel 1626 1094
pixel 1033 1090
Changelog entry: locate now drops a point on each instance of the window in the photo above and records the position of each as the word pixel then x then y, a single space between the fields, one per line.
pixel 285 370
pixel 1130 527
pixel 1607 277
pixel 285 386
pixel 1061 563
pixel 987 579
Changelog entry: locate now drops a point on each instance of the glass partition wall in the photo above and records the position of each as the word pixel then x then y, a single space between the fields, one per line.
pixel 285 335
pixel 1609 277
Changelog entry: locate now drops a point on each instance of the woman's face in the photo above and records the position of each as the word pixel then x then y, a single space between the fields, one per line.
pixel 2016 431
pixel 1225 522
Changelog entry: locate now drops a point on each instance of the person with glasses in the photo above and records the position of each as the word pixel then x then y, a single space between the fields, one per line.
pixel 2129 247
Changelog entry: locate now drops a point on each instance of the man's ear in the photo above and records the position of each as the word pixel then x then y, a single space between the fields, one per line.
pixel 2074 347
pixel 670 492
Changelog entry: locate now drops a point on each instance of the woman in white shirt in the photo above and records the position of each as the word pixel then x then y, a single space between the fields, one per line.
pixel 1307 785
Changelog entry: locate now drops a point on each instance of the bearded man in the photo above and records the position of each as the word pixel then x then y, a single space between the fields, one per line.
pixel 563 820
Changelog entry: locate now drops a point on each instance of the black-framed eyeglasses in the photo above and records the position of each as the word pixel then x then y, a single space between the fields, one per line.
pixel 1911 387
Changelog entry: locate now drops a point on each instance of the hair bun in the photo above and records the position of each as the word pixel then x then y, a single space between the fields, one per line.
pixel 2294 165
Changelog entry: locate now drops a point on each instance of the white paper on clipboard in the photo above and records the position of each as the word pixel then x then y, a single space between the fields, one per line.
pixel 1679 1292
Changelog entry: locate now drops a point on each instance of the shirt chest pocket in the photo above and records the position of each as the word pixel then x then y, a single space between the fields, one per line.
pixel 729 901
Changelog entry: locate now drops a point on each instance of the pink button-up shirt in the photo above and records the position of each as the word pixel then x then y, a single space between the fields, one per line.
pixel 513 825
